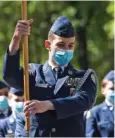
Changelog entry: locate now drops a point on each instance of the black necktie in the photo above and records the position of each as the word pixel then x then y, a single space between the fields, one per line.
pixel 58 72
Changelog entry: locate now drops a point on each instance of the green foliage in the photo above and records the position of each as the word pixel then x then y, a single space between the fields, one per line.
pixel 95 16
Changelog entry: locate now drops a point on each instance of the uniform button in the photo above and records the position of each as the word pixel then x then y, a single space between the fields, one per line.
pixel 53 129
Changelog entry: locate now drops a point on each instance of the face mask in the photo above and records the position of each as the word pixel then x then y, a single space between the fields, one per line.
pixel 62 57
pixel 18 107
pixel 111 96
pixel 3 103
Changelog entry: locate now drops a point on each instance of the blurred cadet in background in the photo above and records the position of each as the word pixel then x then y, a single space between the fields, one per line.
pixel 100 119
pixel 5 111
pixel 8 124
pixel 20 130
pixel 16 99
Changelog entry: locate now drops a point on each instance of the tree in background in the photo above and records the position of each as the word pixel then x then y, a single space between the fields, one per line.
pixel 93 21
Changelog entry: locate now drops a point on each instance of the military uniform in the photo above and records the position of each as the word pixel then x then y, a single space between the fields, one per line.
pixel 100 121
pixel 68 114
pixel 71 93
pixel 7 127
pixel 20 129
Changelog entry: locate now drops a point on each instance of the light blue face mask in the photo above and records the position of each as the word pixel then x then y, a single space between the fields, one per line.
pixel 18 107
pixel 111 96
pixel 62 57
pixel 3 103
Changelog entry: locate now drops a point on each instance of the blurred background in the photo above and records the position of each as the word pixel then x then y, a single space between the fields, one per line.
pixel 93 22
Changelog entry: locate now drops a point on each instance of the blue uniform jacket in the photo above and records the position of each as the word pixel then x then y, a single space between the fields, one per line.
pixel 20 127
pixel 100 122
pixel 7 126
pixel 67 119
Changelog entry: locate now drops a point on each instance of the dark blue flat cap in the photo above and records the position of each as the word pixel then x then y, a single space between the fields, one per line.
pixel 3 85
pixel 110 76
pixel 63 27
pixel 15 91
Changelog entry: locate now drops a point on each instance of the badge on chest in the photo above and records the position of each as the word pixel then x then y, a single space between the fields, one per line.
pixel 72 83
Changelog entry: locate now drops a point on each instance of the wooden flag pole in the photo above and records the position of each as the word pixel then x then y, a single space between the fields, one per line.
pixel 25 65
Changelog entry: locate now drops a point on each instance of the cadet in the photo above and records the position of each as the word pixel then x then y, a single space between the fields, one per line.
pixel 100 119
pixel 8 125
pixel 5 110
pixel 59 93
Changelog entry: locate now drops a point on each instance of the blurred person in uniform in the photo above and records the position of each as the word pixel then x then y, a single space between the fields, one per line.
pixel 16 99
pixel 100 119
pixel 59 94
pixel 5 110
pixel 8 124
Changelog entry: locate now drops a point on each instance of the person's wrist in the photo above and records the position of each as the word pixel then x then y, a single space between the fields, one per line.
pixel 14 45
pixel 16 37
pixel 50 105
pixel 12 51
